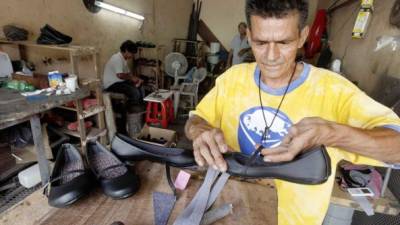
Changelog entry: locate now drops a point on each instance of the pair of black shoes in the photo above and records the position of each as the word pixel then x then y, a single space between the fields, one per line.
pixel 70 180
pixel 51 36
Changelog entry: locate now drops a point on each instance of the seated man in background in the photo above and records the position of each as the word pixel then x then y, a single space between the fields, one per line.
pixel 119 79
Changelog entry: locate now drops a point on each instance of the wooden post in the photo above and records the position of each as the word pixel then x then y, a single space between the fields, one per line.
pixel 81 125
pixel 110 120
pixel 39 146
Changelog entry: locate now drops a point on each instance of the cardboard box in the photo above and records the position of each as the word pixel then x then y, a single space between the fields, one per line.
pixel 158 133
pixel 39 81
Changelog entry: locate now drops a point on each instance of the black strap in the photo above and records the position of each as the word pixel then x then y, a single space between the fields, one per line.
pixel 252 158
pixel 170 182
pixel 51 180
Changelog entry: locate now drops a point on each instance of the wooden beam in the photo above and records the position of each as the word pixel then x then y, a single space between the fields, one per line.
pixel 39 146
pixel 207 35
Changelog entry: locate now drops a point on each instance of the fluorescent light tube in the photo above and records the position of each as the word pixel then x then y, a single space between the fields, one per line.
pixel 118 10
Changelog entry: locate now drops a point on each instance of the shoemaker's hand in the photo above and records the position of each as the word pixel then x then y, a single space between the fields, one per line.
pixel 208 148
pixel 137 81
pixel 307 133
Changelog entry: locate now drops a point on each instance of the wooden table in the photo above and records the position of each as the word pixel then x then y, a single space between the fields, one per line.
pixel 15 109
pixel 388 204
pixel 253 204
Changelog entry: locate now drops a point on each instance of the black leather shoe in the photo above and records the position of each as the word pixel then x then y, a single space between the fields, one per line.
pixel 69 180
pixel 311 167
pixel 133 150
pixel 114 177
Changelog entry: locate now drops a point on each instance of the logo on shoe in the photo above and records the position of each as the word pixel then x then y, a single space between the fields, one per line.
pixel 252 125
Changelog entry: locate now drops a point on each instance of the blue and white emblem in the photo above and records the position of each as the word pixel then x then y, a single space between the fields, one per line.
pixel 252 125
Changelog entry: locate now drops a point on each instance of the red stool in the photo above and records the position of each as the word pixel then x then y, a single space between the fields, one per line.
pixel 160 108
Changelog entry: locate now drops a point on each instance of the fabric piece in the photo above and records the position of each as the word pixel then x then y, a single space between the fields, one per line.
pixel 115 65
pixel 106 166
pixel 238 44
pixel 182 180
pixel 217 188
pixel 194 212
pixel 216 214
pixel 163 204
pixel 233 106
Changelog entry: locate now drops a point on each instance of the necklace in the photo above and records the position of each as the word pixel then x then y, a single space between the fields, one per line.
pixel 267 127
pixel 255 154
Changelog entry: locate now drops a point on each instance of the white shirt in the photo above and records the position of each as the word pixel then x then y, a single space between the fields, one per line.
pixel 236 45
pixel 115 65
pixel 5 65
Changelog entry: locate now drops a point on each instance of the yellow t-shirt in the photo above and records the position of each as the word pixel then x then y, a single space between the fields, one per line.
pixel 233 105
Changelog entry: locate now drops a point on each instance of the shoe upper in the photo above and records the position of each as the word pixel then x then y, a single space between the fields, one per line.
pixel 129 149
pixel 69 180
pixel 116 179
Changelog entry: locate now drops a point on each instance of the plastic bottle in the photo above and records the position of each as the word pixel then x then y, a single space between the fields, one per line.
pixel 31 176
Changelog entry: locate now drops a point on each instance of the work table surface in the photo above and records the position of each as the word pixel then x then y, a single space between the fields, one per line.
pixel 14 106
pixel 252 204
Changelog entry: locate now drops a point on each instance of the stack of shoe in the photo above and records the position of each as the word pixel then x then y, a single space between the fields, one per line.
pixel 143 44
pixel 50 36
pixel 70 180
pixel 14 33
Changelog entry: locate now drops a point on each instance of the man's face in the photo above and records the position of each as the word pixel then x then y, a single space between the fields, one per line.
pixel 242 30
pixel 127 55
pixel 275 42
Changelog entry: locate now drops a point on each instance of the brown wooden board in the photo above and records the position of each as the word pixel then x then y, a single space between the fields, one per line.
pixel 252 204
pixel 21 108
pixel 8 96
pixel 207 35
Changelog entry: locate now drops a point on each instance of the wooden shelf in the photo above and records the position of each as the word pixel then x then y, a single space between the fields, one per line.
pixel 74 49
pixel 91 84
pixel 92 134
pixel 67 108
pixel 85 113
pixel 91 111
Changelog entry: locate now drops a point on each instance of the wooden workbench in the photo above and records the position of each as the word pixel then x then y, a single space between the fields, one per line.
pixel 15 109
pixel 387 205
pixel 252 204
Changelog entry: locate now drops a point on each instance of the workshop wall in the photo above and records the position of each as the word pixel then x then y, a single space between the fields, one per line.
pixel 377 73
pixel 223 16
pixel 165 20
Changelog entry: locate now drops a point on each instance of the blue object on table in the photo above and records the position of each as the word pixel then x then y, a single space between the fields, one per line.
pixel 36 98
pixel 163 203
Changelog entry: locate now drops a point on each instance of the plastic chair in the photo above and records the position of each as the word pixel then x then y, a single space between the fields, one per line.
pixel 191 89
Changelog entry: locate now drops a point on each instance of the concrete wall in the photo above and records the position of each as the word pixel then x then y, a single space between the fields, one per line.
pixel 165 20
pixel 377 73
pixel 223 16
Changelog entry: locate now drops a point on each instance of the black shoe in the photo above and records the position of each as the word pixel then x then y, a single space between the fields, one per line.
pixel 133 150
pixel 311 167
pixel 69 180
pixel 115 178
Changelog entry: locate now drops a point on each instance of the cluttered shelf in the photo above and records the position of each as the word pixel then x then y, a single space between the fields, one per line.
pixel 57 80
pixel 75 49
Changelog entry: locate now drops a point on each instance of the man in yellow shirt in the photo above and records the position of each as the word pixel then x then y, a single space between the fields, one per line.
pixel 288 107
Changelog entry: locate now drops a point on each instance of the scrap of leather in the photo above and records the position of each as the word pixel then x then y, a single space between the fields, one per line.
pixel 395 14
